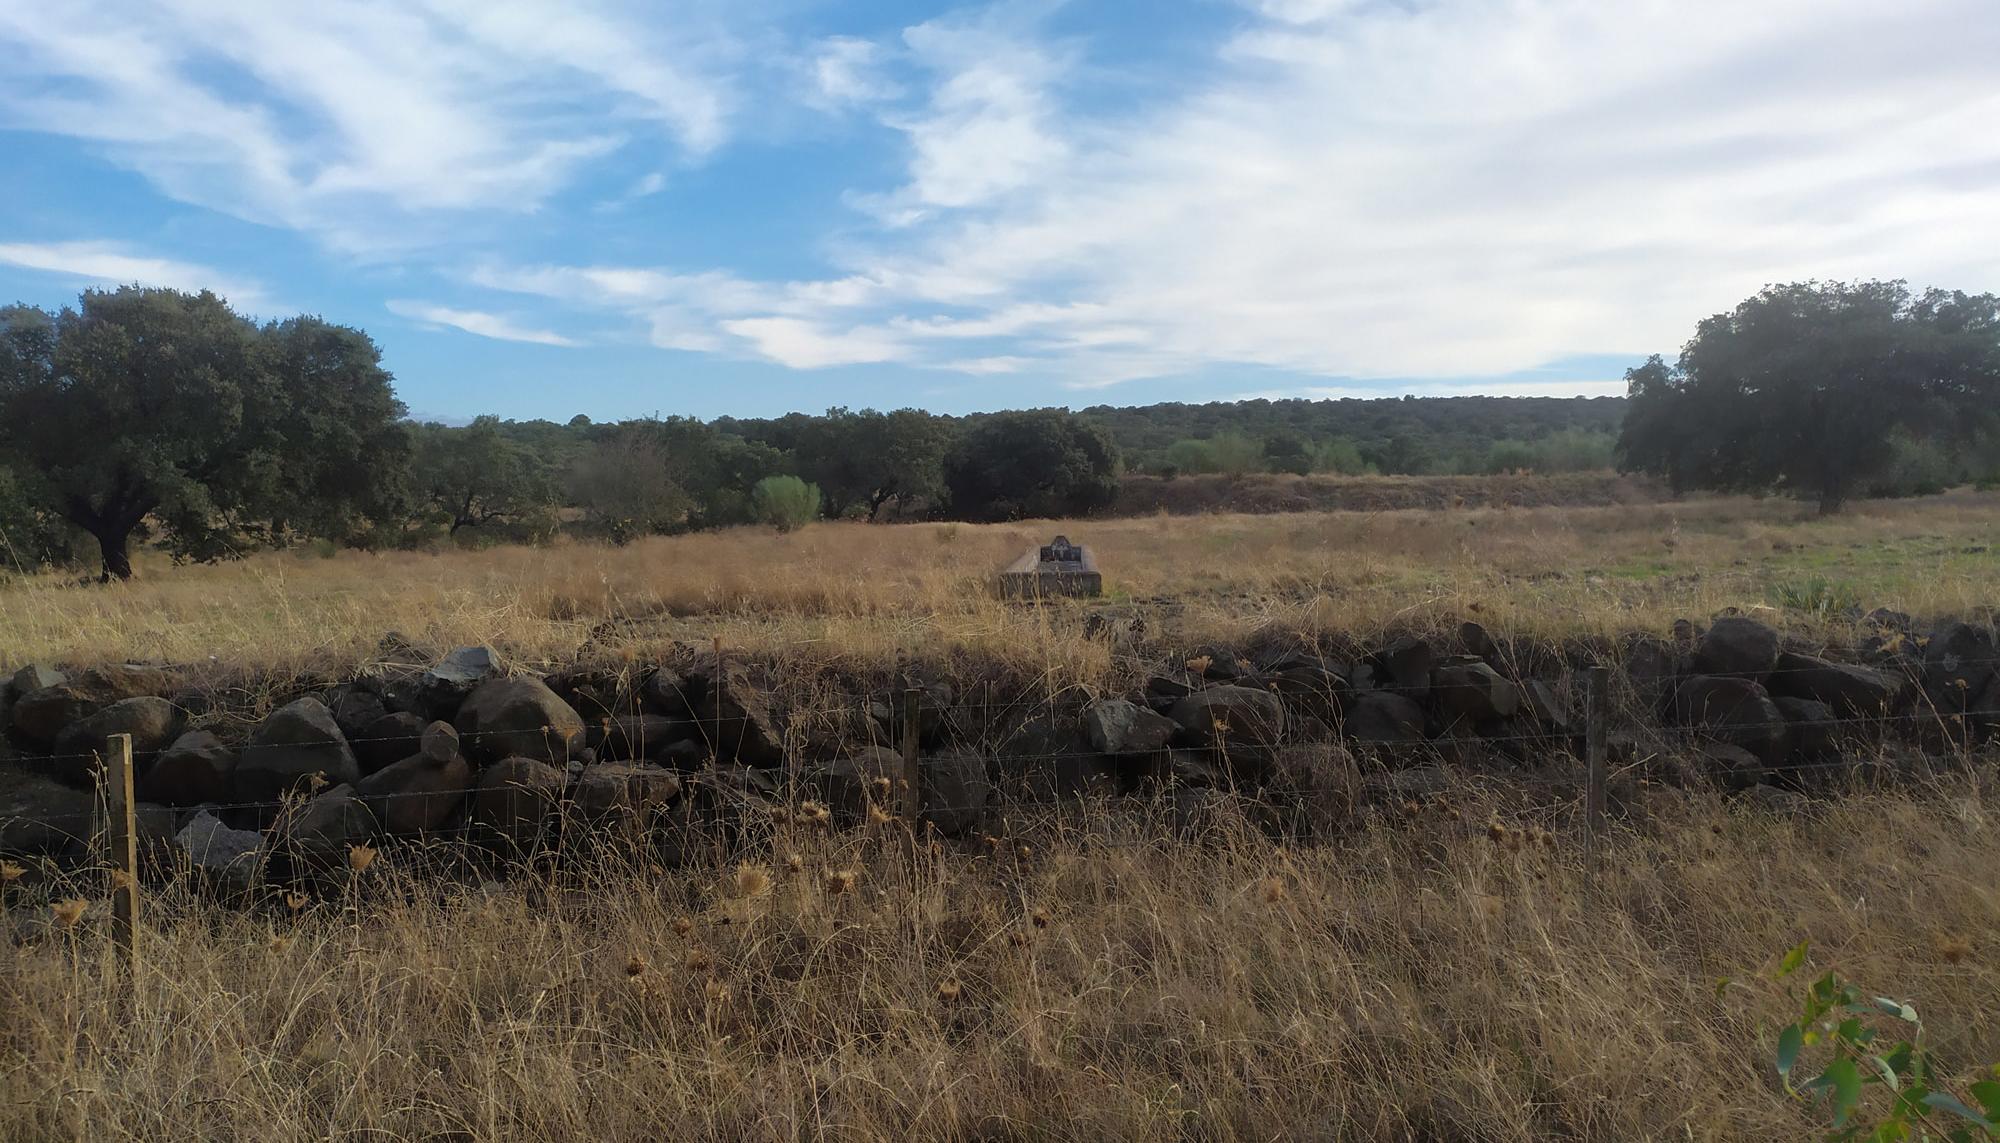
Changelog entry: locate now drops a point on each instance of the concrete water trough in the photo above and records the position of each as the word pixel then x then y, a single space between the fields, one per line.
pixel 1056 569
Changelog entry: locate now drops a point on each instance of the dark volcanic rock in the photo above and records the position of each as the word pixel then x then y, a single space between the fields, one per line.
pixel 152 723
pixel 1737 645
pixel 1736 711
pixel 288 749
pixel 1472 692
pixel 518 718
pixel 1858 691
pixel 514 800
pixel 1380 717
pixel 1116 726
pixel 196 769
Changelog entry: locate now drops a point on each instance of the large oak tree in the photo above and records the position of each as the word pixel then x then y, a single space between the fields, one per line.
pixel 1804 387
pixel 151 410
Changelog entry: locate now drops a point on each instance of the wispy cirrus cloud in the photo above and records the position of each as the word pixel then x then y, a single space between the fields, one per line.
pixel 353 120
pixel 478 322
pixel 110 264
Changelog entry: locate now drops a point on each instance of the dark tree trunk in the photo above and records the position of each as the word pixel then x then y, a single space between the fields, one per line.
pixel 1830 502
pixel 111 544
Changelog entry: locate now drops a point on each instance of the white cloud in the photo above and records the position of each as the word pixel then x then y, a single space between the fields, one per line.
pixel 803 344
pixel 1457 188
pixel 847 71
pixel 476 322
pixel 350 118
pixel 105 263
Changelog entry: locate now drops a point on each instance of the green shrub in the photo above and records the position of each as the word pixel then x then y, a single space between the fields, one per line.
pixel 785 502
pixel 1844 1025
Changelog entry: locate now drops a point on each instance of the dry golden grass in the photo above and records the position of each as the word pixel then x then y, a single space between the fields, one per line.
pixel 1417 980
pixel 835 592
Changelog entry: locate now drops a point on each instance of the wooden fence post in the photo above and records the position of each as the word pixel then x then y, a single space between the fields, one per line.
pixel 913 782
pixel 122 829
pixel 1596 728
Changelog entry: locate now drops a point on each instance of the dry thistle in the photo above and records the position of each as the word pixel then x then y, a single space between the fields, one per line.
pixel 794 862
pixel 1954 948
pixel 1273 890
pixel 992 843
pixel 814 813
pixel 68 913
pixel 880 787
pixel 280 944
pixel 683 926
pixel 296 901
pixel 699 961
pixel 1024 853
pixel 877 815
pixel 840 881
pixel 1040 917
pixel 948 989
pixel 10 873
pixel 360 857
pixel 751 881
pixel 635 966
pixel 1496 831
pixel 1199 663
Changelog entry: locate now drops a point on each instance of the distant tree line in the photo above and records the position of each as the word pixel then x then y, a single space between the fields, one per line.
pixel 155 416
pixel 1420 436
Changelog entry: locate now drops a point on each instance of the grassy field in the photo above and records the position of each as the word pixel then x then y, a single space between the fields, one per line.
pixel 1419 980
pixel 840 592
pixel 1452 970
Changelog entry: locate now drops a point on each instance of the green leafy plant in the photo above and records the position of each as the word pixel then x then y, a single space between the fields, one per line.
pixel 1840 1021
pixel 785 502
pixel 1817 596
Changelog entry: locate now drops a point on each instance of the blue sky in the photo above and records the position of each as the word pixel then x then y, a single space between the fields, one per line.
pixel 622 208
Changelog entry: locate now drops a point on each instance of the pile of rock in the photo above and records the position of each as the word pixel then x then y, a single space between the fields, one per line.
pixel 696 757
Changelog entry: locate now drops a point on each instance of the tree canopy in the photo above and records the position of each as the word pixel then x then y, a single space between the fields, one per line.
pixel 1044 462
pixel 1807 388
pixel 150 408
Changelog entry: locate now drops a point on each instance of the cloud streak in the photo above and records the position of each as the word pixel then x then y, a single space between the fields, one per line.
pixel 476 322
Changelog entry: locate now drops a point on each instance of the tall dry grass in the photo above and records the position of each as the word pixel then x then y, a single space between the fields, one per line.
pixel 1418 980
pixel 865 594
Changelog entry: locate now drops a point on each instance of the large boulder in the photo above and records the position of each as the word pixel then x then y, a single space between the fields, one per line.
pixel 355 708
pixel 390 739
pixel 417 795
pixel 313 840
pixel 1736 711
pixel 513 801
pixel 1228 716
pixel 1406 664
pixel 153 723
pixel 1310 687
pixel 1862 692
pixel 1383 718
pixel 228 858
pixel 1118 726
pixel 736 718
pixel 39 715
pixel 196 768
pixel 1813 727
pixel 296 744
pixel 956 790
pixel 629 737
pixel 1047 757
pixel 1957 662
pixel 39 815
pixel 666 691
pixel 42 712
pixel 1472 692
pixel 623 795
pixel 518 718
pixel 847 785
pixel 436 693
pixel 1650 666
pixel 1737 645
